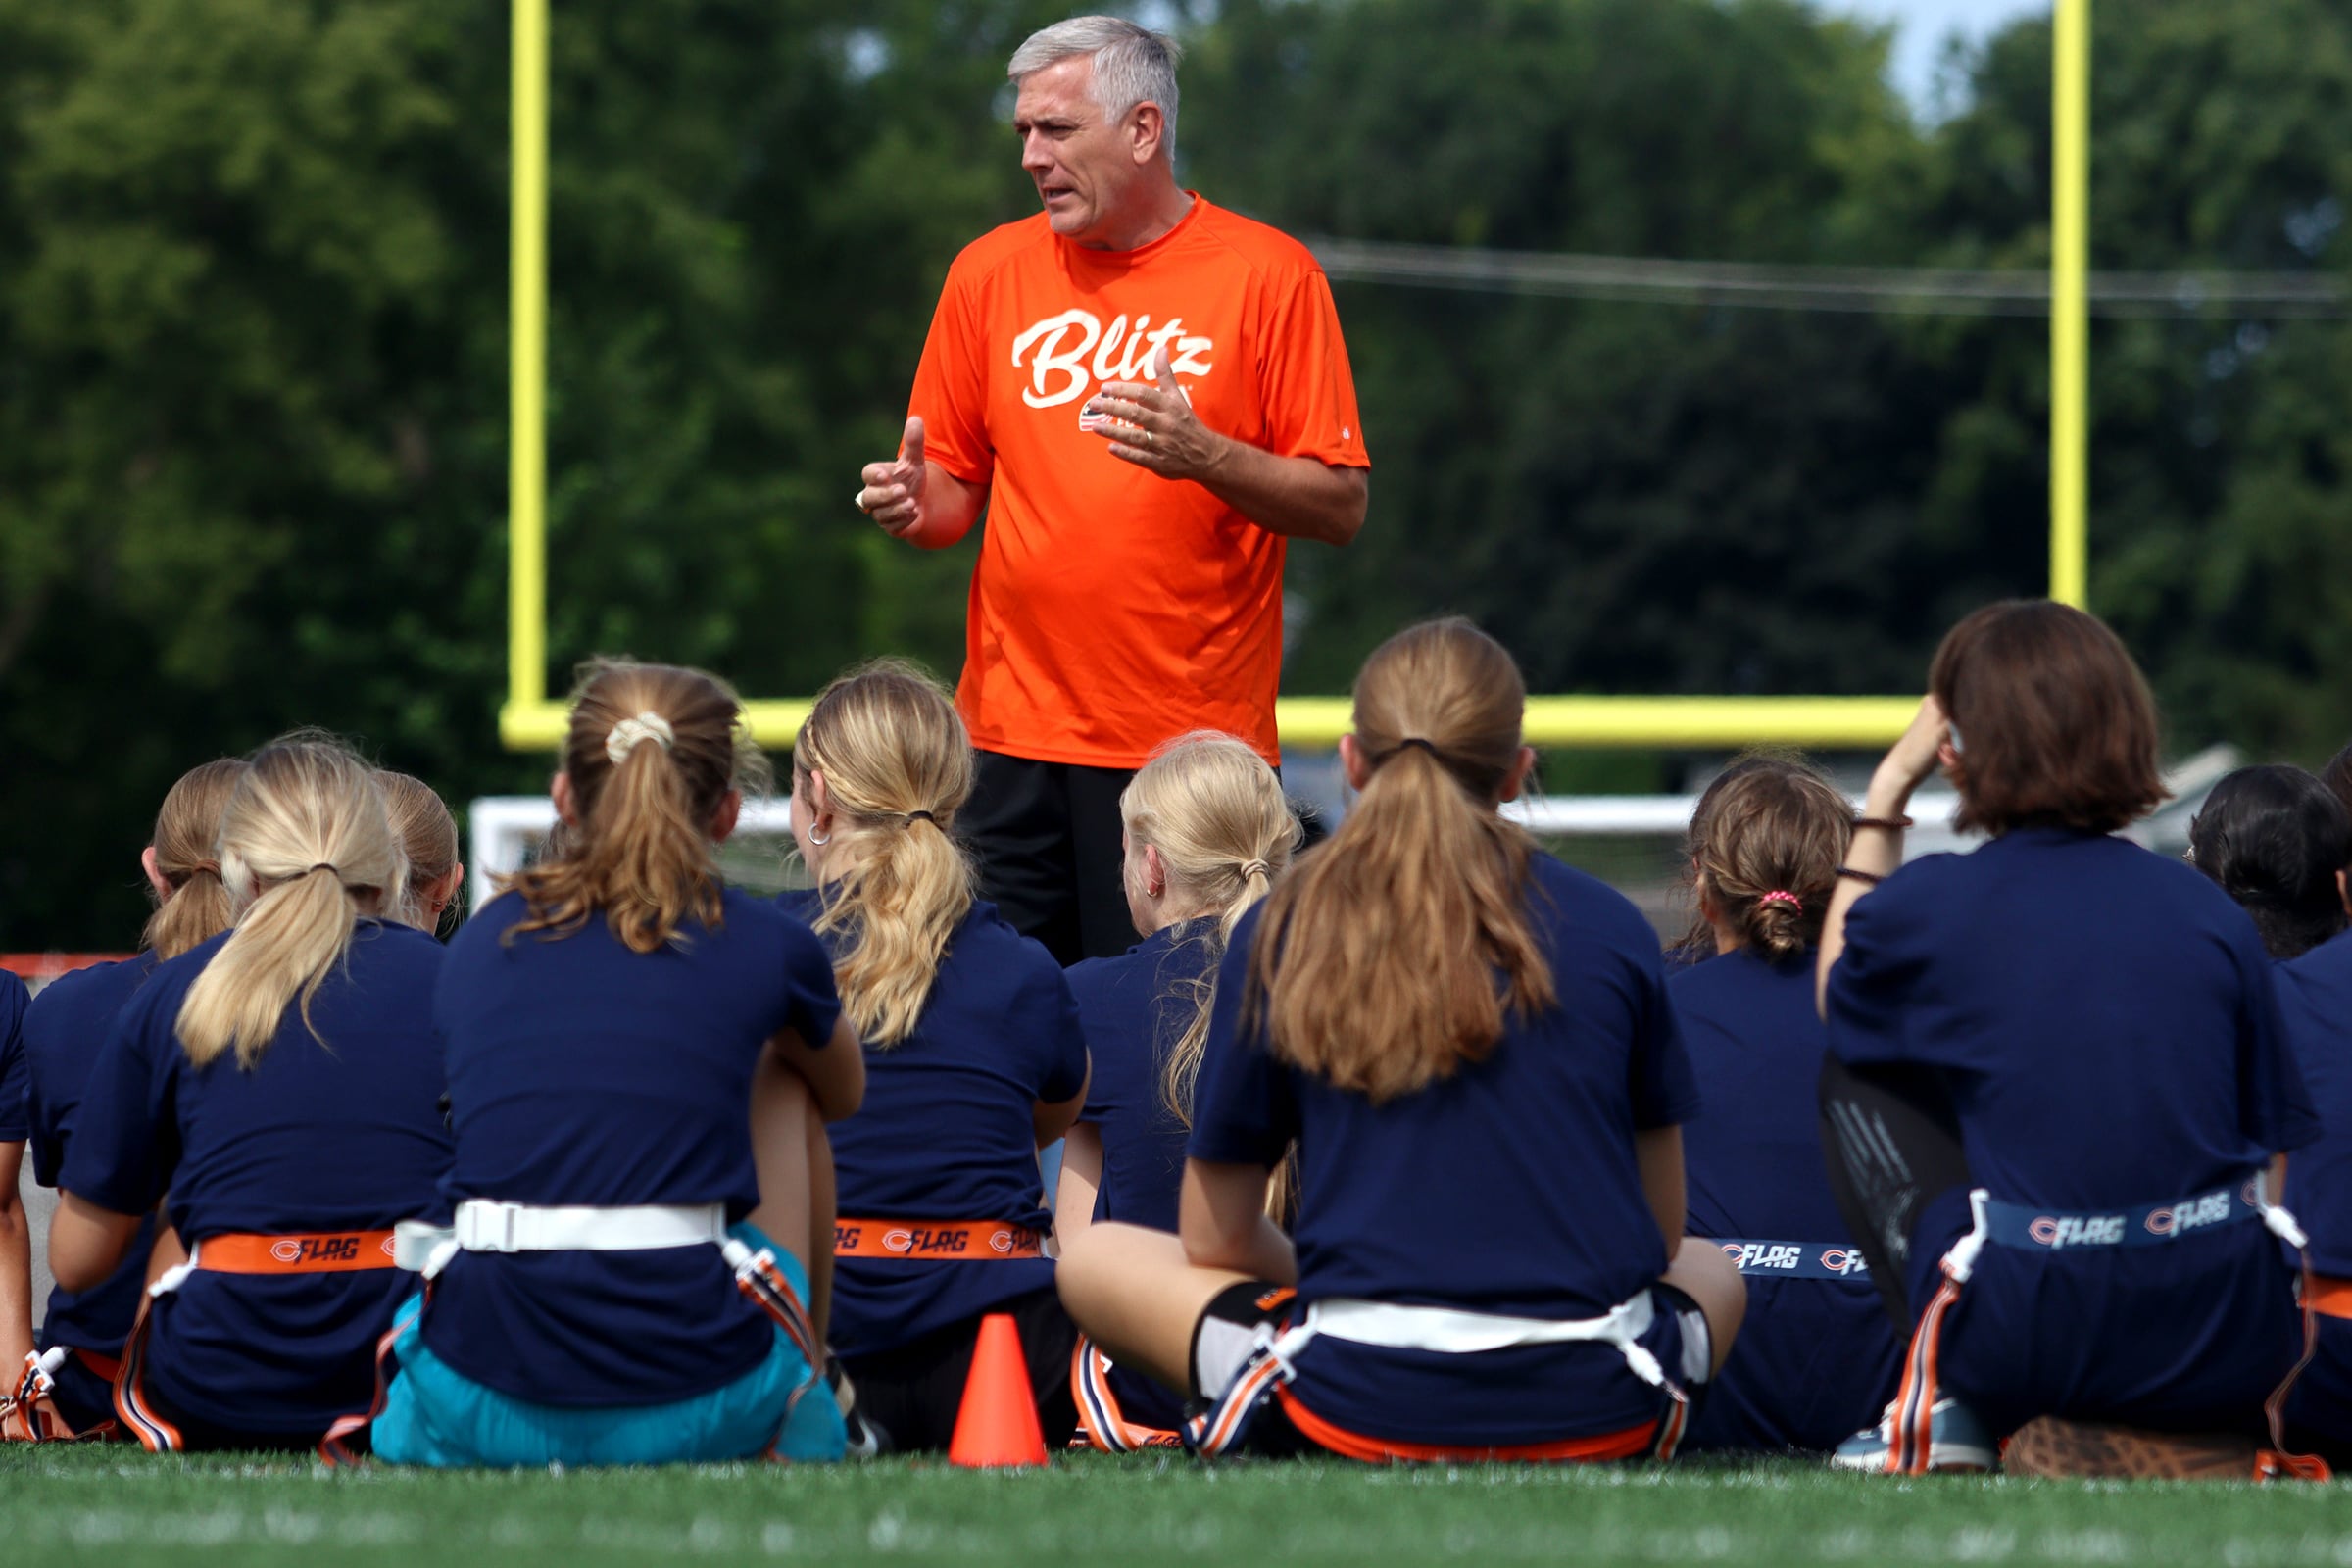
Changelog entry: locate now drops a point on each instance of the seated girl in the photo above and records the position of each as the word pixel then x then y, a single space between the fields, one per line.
pixel 639 1062
pixel 1205 831
pixel 973 1055
pixel 82 1331
pixel 2275 839
pixel 429 835
pixel 281 1083
pixel 2279 842
pixel 1472 1046
pixel 1817 1357
pixel 2060 1093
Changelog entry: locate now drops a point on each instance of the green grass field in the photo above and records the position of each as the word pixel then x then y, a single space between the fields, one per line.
pixel 130 1509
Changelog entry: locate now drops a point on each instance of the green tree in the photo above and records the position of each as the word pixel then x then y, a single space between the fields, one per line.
pixel 1636 497
pixel 2219 478
pixel 252 416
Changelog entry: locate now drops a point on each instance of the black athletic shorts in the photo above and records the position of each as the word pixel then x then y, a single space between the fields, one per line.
pixel 914 1392
pixel 1047 837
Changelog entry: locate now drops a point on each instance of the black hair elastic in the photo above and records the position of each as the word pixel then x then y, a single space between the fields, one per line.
pixel 1417 740
pixel 913 817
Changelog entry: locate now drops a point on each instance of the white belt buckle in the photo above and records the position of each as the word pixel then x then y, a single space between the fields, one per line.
pixel 486 1225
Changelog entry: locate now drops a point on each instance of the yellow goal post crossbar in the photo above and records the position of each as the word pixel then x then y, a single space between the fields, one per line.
pixel 533 721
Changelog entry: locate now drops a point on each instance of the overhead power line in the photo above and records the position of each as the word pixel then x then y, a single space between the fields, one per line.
pixel 1917 290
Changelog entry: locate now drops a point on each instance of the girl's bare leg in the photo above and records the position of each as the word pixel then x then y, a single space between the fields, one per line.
pixel 1132 1292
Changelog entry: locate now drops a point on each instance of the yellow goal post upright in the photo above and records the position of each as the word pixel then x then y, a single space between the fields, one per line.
pixel 531 721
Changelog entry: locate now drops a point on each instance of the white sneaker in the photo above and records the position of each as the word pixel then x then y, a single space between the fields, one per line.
pixel 1956 1441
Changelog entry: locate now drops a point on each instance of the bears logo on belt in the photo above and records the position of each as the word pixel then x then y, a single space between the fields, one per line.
pixel 2095 1230
pixel 319 1249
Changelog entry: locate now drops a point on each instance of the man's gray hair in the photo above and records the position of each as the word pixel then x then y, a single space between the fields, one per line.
pixel 1132 64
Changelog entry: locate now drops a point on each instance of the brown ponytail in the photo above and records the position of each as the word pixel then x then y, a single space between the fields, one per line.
pixel 651 752
pixel 1375 969
pixel 187 857
pixel 1765 847
pixel 898 767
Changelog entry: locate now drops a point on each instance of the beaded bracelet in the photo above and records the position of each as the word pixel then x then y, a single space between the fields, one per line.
pixel 1872 878
pixel 1893 824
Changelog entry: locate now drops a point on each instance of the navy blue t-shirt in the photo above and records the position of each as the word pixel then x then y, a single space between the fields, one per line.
pixel 1508 1188
pixel 1816 1359
pixel 2105 1017
pixel 341 1132
pixel 15 999
pixel 948 1131
pixel 70 1023
pixel 583 1073
pixel 2107 1027
pixel 1135 1008
pixel 2315 996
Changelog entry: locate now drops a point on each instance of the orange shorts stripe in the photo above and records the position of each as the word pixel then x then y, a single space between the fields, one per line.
pixel 945 1241
pixel 335 1253
pixel 1630 1443
pixel 2329 1298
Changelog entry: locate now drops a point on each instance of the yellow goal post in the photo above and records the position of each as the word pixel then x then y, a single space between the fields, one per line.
pixel 531 721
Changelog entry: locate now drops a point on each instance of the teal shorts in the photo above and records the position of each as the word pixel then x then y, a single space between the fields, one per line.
pixel 435 1415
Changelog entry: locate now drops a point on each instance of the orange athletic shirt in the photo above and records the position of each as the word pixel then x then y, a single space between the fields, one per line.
pixel 1111 608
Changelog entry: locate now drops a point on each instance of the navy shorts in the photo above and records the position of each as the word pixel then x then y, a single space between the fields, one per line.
pixel 2188 1337
pixel 1226 1335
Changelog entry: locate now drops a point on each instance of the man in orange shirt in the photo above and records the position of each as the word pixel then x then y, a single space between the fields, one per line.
pixel 1148 396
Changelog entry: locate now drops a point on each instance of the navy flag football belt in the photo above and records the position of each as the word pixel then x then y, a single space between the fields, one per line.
pixel 1795 1260
pixel 2053 1230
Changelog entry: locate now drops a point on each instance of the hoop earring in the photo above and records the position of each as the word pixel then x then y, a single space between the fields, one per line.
pixel 817 839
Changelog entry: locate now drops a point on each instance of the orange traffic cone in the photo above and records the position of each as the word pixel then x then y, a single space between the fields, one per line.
pixel 997 1424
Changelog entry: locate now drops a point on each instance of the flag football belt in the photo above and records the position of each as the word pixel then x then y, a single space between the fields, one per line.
pixel 326 1253
pixel 1449 1331
pixel 27 1416
pixel 1101 1424
pixel 331 1252
pixel 483 1225
pixel 2049 1230
pixel 948 1241
pixel 1910 1419
pixel 1795 1260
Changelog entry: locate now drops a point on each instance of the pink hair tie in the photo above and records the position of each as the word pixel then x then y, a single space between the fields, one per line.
pixel 1781 896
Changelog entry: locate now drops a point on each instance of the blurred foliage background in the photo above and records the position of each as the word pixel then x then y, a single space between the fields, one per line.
pixel 253 357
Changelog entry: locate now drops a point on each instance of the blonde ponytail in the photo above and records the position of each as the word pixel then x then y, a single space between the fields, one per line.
pixel 1215 812
pixel 898 767
pixel 307 825
pixel 187 857
pixel 1390 937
